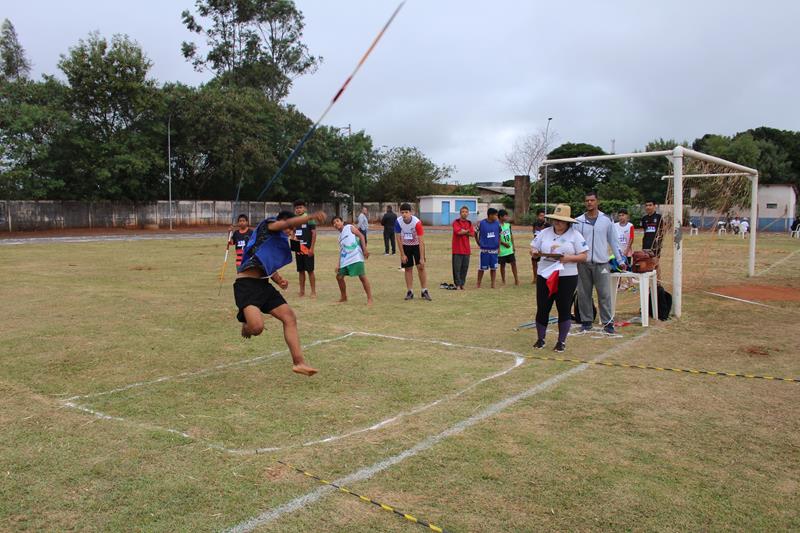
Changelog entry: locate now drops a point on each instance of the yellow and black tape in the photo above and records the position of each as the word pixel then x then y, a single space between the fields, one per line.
pixel 666 369
pixel 383 506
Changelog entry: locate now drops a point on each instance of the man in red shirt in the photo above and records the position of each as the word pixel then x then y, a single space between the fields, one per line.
pixel 462 231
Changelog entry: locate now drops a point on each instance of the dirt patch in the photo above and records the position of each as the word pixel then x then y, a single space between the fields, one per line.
pixel 760 351
pixel 140 267
pixel 760 293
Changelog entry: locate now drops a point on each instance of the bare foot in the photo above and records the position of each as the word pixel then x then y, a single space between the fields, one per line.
pixel 369 302
pixel 245 332
pixel 342 300
pixel 304 369
pixel 301 294
pixel 313 294
pixel 493 285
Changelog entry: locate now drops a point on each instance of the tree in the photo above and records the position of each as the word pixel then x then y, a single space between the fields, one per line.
pixel 528 152
pixel 112 151
pixel 644 174
pixel 252 43
pixel 585 175
pixel 13 63
pixel 404 173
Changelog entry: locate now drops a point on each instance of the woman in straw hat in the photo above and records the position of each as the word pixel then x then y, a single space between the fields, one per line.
pixel 560 248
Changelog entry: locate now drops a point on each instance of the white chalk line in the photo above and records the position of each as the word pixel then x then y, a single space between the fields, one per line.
pixel 740 299
pixel 71 403
pixel 312 497
pixel 777 263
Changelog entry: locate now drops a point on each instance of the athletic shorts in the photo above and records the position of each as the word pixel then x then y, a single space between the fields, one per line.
pixel 258 292
pixel 507 259
pixel 488 260
pixel 305 263
pixel 411 251
pixel 353 270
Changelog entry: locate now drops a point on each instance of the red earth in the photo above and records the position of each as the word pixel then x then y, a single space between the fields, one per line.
pixel 760 293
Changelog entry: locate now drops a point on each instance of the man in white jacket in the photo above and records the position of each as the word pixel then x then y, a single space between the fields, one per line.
pixel 601 237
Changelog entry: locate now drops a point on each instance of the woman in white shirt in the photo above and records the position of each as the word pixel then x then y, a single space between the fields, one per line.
pixel 560 248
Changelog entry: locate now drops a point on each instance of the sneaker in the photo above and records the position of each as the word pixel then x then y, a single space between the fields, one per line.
pixel 609 329
pixel 425 296
pixel 560 347
pixel 586 326
pixel 409 295
pixel 539 344
pixel 387 253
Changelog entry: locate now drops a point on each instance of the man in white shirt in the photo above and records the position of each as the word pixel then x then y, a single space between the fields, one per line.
pixel 363 222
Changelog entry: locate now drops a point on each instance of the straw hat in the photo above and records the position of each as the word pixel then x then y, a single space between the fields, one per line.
pixel 562 212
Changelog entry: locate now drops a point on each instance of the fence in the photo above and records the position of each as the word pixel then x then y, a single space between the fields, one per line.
pixel 49 215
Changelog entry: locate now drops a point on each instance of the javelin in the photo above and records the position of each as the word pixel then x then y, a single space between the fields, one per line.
pixel 310 132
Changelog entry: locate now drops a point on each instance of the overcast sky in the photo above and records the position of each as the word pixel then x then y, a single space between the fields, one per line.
pixel 461 79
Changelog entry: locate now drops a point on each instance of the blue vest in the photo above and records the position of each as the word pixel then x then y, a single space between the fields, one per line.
pixel 269 248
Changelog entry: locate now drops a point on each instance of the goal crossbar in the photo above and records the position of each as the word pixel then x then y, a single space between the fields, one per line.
pixel 677 156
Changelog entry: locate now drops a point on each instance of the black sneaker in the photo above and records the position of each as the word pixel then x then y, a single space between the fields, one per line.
pixel 409 295
pixel 586 326
pixel 609 329
pixel 539 344
pixel 560 347
pixel 425 296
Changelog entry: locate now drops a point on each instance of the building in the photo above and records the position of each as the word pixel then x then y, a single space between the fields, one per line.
pixel 442 209
pixel 493 193
pixel 777 208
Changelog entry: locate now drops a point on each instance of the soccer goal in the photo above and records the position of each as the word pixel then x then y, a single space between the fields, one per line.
pixel 700 166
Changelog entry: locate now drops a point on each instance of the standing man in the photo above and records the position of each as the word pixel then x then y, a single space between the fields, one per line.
pixel 240 237
pixel 601 237
pixel 462 231
pixel 388 220
pixel 653 226
pixel 538 225
pixel 363 222
pixel 488 239
pixel 409 233
pixel 506 253
pixel 305 239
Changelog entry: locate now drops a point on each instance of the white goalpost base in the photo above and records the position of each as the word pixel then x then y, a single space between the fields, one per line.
pixel 677 156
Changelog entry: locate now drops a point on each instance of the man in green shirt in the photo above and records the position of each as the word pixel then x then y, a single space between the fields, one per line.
pixel 506 255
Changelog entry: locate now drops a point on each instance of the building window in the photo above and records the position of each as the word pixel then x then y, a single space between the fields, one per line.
pixel 772 206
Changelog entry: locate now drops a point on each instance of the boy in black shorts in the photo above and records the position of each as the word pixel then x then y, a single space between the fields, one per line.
pixel 305 237
pixel 263 256
pixel 409 234
pixel 240 237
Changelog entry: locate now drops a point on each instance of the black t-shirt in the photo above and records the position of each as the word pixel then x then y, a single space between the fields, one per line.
pixel 305 232
pixel 240 238
pixel 652 231
pixel 539 226
pixel 388 221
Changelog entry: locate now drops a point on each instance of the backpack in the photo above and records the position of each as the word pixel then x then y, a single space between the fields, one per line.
pixel 664 304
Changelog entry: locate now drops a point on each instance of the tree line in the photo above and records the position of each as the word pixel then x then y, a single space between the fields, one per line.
pixel 103 129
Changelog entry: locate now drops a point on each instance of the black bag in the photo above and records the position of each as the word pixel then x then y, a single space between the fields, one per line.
pixel 576 312
pixel 664 304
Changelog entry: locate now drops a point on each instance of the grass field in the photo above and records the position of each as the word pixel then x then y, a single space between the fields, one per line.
pixel 129 402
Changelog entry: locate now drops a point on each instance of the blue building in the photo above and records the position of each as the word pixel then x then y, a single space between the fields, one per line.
pixel 443 209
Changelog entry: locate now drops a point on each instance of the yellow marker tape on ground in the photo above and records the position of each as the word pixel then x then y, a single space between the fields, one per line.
pixel 383 506
pixel 646 367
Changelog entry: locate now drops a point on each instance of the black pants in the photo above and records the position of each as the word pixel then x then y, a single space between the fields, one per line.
pixel 460 269
pixel 563 298
pixel 388 237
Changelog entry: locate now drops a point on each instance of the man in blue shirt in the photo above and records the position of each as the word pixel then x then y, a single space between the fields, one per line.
pixel 601 237
pixel 488 239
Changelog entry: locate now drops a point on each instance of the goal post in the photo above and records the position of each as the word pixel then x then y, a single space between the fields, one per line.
pixel 677 156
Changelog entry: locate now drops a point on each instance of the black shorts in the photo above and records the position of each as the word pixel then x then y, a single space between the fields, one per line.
pixel 507 259
pixel 258 292
pixel 305 263
pixel 411 251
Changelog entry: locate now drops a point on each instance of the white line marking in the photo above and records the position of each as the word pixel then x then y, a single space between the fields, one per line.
pixel 70 402
pixel 777 263
pixel 365 473
pixel 740 300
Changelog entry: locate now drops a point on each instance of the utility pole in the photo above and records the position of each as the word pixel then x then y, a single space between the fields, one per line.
pixel 546 131
pixel 169 166
pixel 613 146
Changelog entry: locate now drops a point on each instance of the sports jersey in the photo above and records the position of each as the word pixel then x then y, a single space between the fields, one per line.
pixel 571 242
pixel 652 226
pixel 409 231
pixel 349 247
pixel 625 235
pixel 489 235
pixel 267 250
pixel 305 232
pixel 505 237
pixel 239 240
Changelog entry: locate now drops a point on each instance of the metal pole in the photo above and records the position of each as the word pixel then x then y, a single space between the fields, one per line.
pixel 677 259
pixel 546 131
pixel 169 166
pixel 751 264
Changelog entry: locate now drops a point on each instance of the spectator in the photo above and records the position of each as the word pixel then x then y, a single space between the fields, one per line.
pixel 488 239
pixel 388 220
pixel 599 233
pixel 363 222
pixel 462 231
